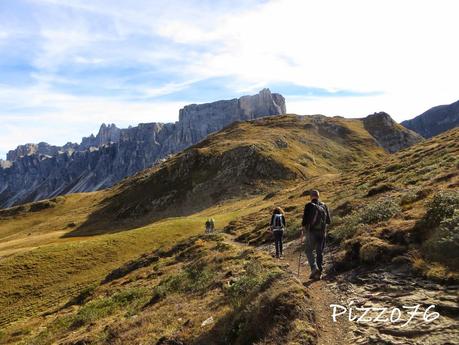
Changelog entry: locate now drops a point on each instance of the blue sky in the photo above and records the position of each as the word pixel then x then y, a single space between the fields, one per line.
pixel 67 66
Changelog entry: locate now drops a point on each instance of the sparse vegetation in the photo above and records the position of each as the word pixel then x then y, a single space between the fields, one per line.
pixel 256 278
pixel 127 281
pixel 441 225
pixel 374 212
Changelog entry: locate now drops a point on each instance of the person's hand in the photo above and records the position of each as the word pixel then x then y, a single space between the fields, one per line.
pixel 303 229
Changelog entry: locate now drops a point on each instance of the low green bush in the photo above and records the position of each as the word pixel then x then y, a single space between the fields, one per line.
pixel 441 227
pixel 440 208
pixel 393 167
pixel 293 229
pixel 255 279
pixel 194 278
pixel 413 195
pixel 375 212
pixel 100 308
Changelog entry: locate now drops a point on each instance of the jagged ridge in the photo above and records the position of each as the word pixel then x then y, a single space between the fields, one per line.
pixel 44 171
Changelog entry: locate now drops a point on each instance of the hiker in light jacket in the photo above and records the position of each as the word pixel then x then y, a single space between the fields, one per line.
pixel 277 226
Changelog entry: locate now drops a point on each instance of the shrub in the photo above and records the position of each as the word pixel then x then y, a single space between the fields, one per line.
pixel 414 195
pixel 255 279
pixel 379 211
pixel 293 228
pixel 440 208
pixel 444 243
pixel 382 188
pixel 375 212
pixel 100 308
pixel 393 167
pixel 194 278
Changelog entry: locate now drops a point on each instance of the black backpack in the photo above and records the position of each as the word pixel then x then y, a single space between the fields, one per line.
pixel 319 221
pixel 278 222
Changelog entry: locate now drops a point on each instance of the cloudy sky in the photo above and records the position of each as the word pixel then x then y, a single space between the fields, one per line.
pixel 66 66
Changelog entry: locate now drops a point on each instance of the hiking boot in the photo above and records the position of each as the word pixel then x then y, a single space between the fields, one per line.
pixel 318 274
pixel 313 275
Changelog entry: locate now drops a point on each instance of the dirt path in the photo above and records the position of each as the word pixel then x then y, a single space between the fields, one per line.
pixel 320 293
pixel 321 296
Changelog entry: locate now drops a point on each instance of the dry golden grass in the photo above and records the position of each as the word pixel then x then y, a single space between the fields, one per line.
pixel 46 261
pixel 40 277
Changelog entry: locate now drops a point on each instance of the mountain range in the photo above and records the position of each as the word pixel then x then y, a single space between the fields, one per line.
pixel 38 171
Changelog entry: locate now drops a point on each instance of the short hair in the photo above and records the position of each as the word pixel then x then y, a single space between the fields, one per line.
pixel 314 193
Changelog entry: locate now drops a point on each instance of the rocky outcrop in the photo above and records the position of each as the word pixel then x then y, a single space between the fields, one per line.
pixel 38 171
pixel 391 287
pixel 40 149
pixel 196 121
pixel 107 135
pixel 435 120
pixel 389 134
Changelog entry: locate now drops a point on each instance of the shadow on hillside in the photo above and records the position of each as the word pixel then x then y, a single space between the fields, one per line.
pixel 106 220
pixel 115 214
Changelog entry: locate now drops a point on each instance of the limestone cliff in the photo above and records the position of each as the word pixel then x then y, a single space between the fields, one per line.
pixel 36 171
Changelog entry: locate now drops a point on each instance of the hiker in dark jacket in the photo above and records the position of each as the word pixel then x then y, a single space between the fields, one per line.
pixel 316 217
pixel 277 226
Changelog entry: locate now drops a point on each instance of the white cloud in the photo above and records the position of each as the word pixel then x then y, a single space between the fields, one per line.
pixel 404 50
pixel 70 117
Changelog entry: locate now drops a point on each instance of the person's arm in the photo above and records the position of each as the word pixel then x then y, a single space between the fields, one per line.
pixel 283 221
pixel 303 223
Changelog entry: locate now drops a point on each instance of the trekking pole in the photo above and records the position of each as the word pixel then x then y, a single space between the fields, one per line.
pixel 299 256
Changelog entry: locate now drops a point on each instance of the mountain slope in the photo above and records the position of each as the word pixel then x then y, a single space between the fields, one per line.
pixel 435 120
pixel 244 158
pixel 142 286
pixel 44 171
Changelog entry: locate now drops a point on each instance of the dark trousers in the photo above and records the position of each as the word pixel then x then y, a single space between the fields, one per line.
pixel 315 241
pixel 278 235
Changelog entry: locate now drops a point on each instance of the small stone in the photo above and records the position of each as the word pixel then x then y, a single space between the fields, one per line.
pixel 208 321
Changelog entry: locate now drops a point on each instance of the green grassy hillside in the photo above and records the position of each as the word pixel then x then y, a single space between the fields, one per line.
pixel 105 267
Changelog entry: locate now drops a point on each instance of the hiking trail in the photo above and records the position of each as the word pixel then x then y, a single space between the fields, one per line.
pixel 319 293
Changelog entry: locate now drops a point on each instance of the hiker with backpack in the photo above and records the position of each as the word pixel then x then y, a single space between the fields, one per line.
pixel 212 225
pixel 277 226
pixel 207 225
pixel 316 217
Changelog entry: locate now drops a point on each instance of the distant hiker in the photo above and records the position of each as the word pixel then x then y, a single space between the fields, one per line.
pixel 277 226
pixel 316 217
pixel 210 225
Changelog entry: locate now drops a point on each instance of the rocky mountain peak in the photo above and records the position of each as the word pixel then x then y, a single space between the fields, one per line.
pixel 41 148
pixel 388 133
pixel 104 159
pixel 107 134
